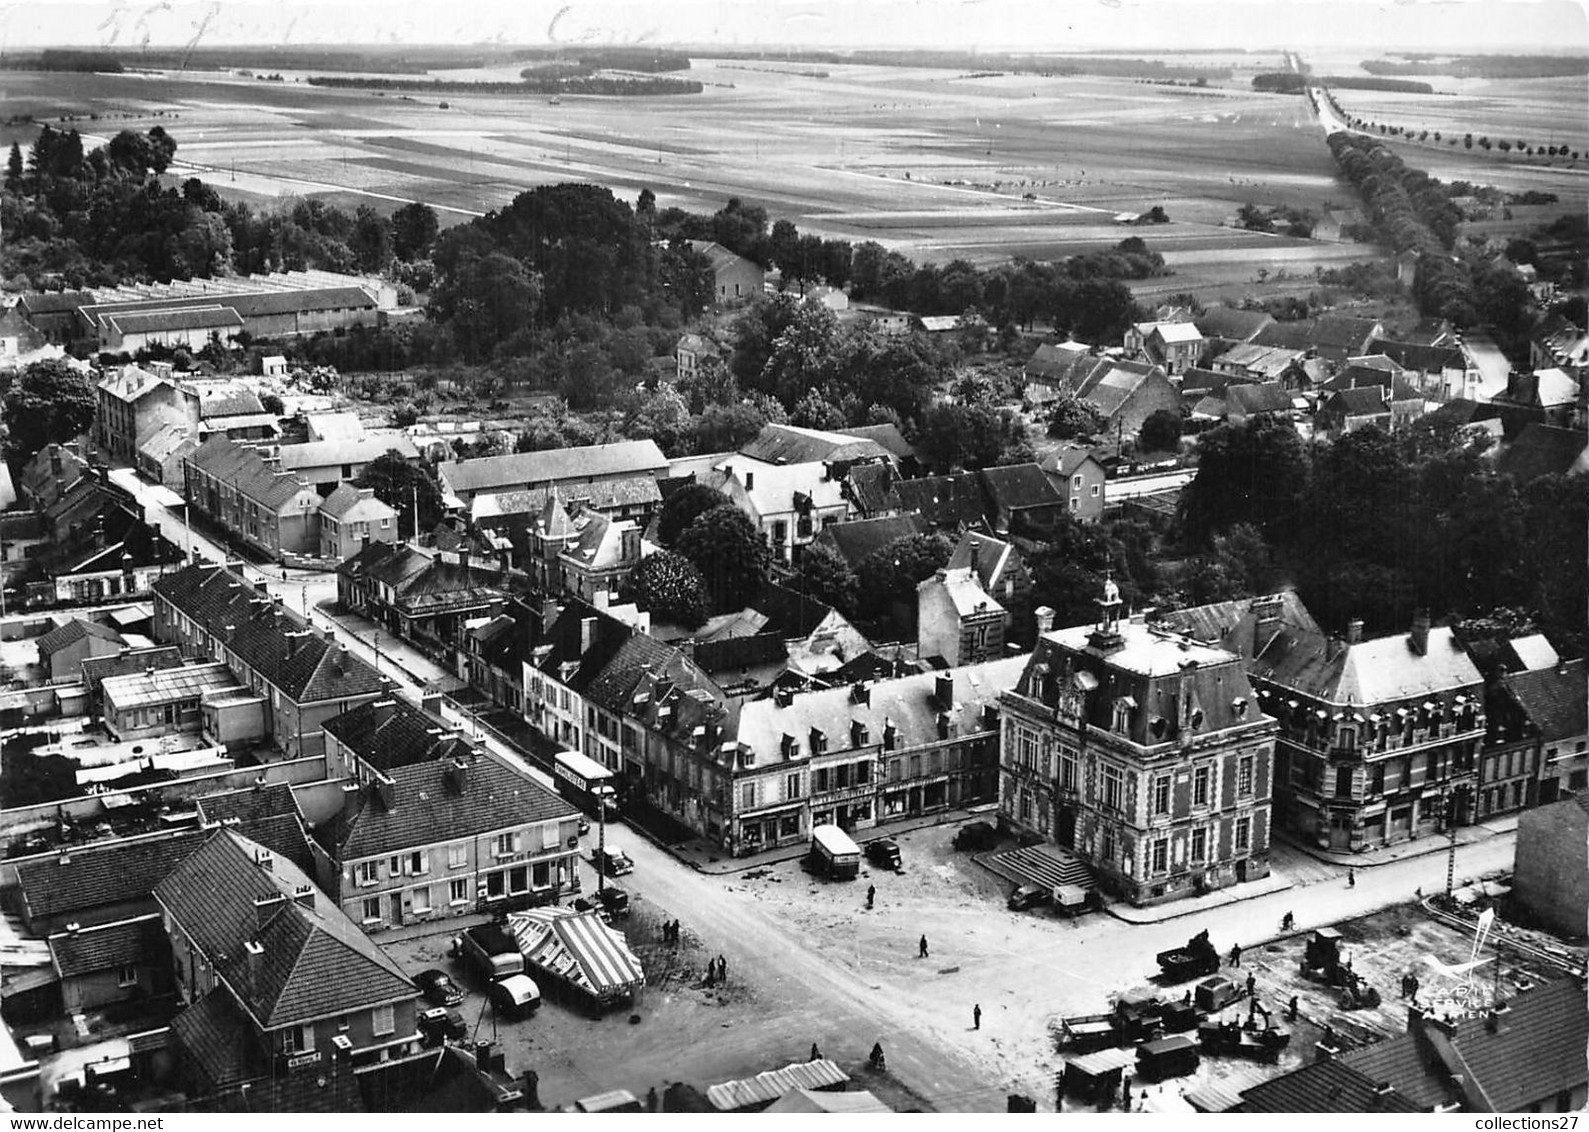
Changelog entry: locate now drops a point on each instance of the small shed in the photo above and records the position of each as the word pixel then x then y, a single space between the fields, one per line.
pixel 752 1094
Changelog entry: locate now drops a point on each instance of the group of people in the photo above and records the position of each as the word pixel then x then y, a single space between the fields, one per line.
pixel 716 971
pixel 1409 987
pixel 670 931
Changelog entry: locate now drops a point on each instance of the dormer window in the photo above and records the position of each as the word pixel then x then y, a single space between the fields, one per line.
pixel 819 741
pixel 1123 707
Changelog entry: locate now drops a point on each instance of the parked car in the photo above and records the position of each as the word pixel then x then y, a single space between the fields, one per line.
pixel 977 836
pixel 438 988
pixel 610 902
pixel 514 996
pixel 439 1024
pixel 616 862
pixel 1030 896
pixel 884 853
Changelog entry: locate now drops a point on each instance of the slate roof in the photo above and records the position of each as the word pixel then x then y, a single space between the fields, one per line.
pixel 527 469
pixel 73 631
pixel 1544 450
pixel 349 502
pixel 1358 375
pixel 210 1032
pixel 1293 335
pixel 945 501
pixel 993 557
pixel 871 487
pixel 1148 666
pixel 391 733
pixel 886 436
pixel 349 450
pixel 718 256
pixel 558 651
pixel 315 961
pixel 1051 364
pixel 429 809
pixel 729 653
pixel 508 508
pixel 1417 356
pixel 1364 401
pixel 1324 1086
pixel 244 469
pixel 908 703
pixel 1195 379
pixel 306 668
pixel 267 814
pixel 1542 388
pixel 1112 383
pixel 789 613
pixel 788 444
pixel 1064 460
pixel 107 947
pixel 1013 487
pixel 1535 1052
pixel 164 439
pixel 52 302
pixel 1231 323
pixel 1267 361
pixel 613 687
pixel 858 539
pixel 1336 332
pixel 964 591
pixel 83 879
pixel 248 304
pixel 1269 397
pixel 1385 670
pixel 186 318
pixel 1556 700
pixel 422 584
pixel 97 669
pixel 1461 411
pixel 1232 624
pixel 39 477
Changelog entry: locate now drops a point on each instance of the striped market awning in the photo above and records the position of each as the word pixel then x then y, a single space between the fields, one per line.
pixel 578 948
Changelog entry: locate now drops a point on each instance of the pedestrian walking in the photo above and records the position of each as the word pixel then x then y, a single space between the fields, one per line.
pixel 877 1060
pixel 1291 1012
pixel 722 968
pixel 922 951
pixel 1235 955
pixel 1412 986
pixel 651 1099
pixel 871 895
pixel 1251 983
pixel 816 1054
pixel 976 1016
pixel 1287 922
pixel 1351 878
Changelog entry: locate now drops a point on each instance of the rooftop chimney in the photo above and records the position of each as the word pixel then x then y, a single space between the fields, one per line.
pixel 944 691
pixel 1418 640
pixel 861 692
pixel 381 711
pixel 587 634
pixel 1354 631
pixel 255 953
pixel 1045 619
pixel 976 554
pixel 1266 623
pixel 750 481
pixel 303 896
pixel 350 800
pixel 458 777
pixel 265 907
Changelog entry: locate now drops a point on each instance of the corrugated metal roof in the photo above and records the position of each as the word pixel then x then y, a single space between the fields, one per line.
pixel 1103 1061
pixel 766 1087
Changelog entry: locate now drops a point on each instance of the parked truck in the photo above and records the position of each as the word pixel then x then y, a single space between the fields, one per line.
pixel 1198 957
pixel 490 952
pixel 834 853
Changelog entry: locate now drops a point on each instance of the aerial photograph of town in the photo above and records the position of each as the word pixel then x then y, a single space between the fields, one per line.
pixel 875 557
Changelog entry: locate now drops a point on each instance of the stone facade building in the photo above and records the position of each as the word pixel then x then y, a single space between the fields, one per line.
pixel 1141 751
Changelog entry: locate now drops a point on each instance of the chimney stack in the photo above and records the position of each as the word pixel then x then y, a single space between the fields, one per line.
pixel 1266 614
pixel 350 801
pixel 750 481
pixel 303 896
pixel 255 953
pixel 266 907
pixel 1418 640
pixel 944 691
pixel 587 634
pixel 1045 619
pixel 976 555
pixel 1354 631
pixel 458 777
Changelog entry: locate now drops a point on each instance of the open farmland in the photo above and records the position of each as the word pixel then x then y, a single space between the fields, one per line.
pixel 934 163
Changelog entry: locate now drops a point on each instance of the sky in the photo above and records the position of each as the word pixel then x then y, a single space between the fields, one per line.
pixel 993 25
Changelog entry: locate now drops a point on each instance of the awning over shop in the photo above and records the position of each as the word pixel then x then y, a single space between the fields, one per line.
pixel 579 949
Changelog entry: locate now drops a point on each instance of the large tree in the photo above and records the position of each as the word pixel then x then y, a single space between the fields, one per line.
pixel 398 483
pixel 670 588
pixel 729 552
pixel 973 436
pixel 823 573
pixel 891 573
pixel 51 403
pixel 1246 473
pixel 414 228
pixel 682 507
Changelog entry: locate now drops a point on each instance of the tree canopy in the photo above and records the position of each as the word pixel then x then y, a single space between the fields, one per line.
pixel 730 553
pixel 50 404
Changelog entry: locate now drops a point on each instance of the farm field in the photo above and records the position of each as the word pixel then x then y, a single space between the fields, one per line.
pixel 933 163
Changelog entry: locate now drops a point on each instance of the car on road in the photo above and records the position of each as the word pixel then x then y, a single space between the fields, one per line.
pixel 1030 896
pixel 976 837
pixel 612 861
pixel 438 988
pixel 884 853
